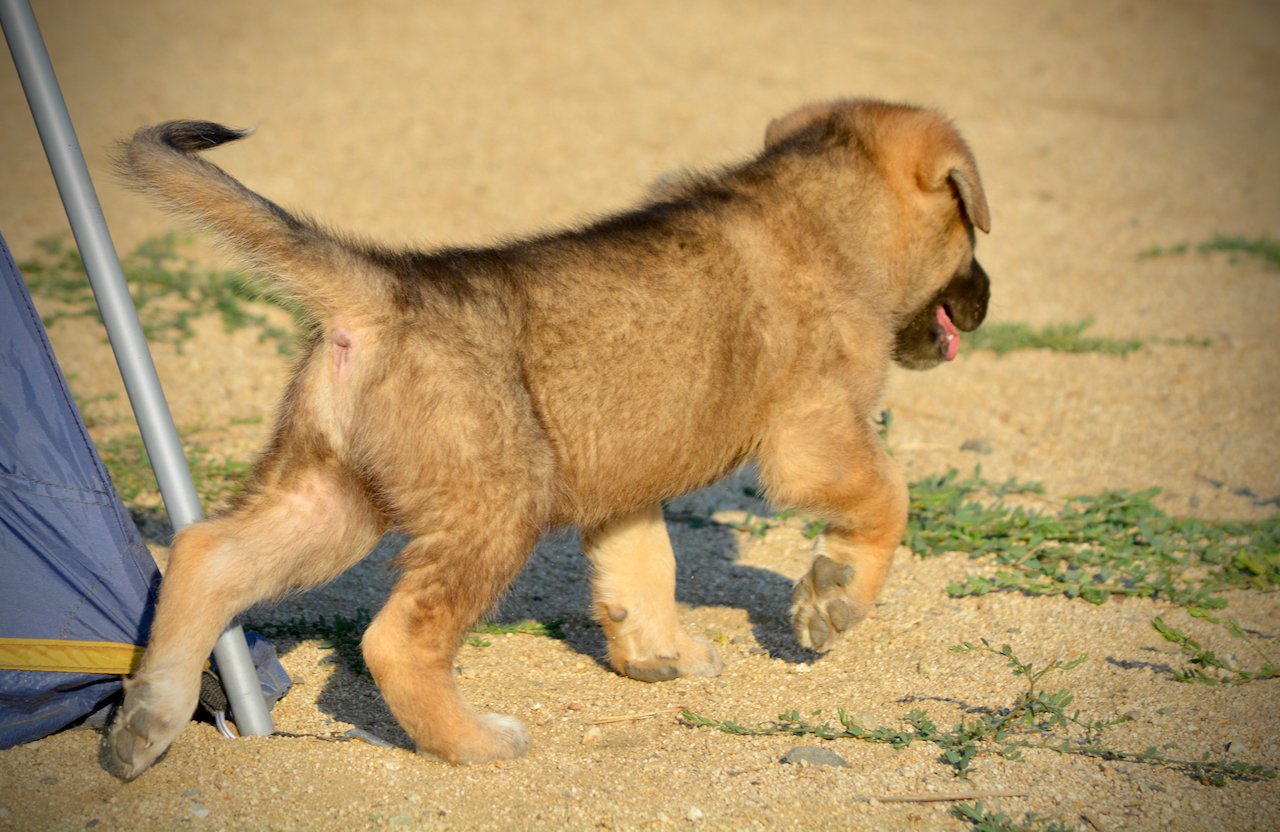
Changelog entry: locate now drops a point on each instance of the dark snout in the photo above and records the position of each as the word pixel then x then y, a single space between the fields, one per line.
pixel 966 298
pixel 932 336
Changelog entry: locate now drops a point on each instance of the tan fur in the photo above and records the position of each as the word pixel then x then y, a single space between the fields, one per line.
pixel 477 398
pixel 634 588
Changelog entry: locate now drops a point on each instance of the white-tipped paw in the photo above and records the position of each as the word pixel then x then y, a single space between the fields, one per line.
pixel 491 737
pixel 510 734
pixel 145 726
pixel 696 657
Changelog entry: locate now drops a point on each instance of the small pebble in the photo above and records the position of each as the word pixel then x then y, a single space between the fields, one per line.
pixel 977 446
pixel 199 810
pixel 694 814
pixel 592 736
pixel 814 756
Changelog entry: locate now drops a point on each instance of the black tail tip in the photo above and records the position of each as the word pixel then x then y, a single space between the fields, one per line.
pixel 194 136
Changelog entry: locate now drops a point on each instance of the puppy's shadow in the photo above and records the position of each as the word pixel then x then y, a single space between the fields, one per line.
pixel 556 584
pixel 554 587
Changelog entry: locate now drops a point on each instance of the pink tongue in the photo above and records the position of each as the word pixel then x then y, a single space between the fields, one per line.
pixel 952 345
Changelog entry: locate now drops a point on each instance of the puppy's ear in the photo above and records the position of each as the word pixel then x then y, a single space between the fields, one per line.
pixel 810 117
pixel 947 164
pixel 964 178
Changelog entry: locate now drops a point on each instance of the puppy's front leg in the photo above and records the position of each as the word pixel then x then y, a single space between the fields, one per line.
pixel 848 477
pixel 634 589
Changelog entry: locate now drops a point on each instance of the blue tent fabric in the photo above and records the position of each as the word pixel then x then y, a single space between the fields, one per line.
pixel 73 564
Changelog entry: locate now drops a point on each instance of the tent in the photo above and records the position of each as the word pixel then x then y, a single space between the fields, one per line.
pixel 80 585
pixel 65 535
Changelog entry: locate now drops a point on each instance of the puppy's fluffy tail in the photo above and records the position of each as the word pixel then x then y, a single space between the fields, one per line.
pixel 300 261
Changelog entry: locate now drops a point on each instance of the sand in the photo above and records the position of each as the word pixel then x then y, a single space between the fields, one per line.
pixel 1101 129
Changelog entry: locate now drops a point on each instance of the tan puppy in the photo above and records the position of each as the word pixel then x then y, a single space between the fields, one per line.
pixel 475 399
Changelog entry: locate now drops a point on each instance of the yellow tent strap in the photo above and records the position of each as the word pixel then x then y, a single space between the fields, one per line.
pixel 51 654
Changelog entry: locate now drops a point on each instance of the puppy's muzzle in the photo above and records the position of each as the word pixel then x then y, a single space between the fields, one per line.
pixel 933 335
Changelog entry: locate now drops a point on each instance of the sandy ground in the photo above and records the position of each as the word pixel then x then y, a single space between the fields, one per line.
pixel 1101 129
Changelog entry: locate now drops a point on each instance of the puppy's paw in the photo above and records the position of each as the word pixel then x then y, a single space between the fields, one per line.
pixel 510 736
pixel 492 737
pixel 699 657
pixel 146 725
pixel 696 657
pixel 821 606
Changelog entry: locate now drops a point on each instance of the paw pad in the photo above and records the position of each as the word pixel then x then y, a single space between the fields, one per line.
pixel 820 609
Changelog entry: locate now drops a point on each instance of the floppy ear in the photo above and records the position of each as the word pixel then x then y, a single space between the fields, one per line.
pixel 795 123
pixel 969 188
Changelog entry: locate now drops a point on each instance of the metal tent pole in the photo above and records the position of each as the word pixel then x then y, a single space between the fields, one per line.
pixel 49 109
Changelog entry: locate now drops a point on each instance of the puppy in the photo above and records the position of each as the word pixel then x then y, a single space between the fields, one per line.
pixel 476 398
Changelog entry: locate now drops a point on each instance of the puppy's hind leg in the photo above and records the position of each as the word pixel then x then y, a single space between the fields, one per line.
pixel 295 535
pixel 474 488
pixel 451 576
pixel 634 588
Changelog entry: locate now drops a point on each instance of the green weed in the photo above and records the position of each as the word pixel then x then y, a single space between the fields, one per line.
pixel 1116 543
pixel 884 423
pixel 1007 337
pixel 1095 547
pixel 337 633
pixel 813 528
pixel 168 289
pixel 1036 720
pixel 1263 248
pixel 1203 665
pixel 985 821
pixel 753 525
pixel 545 629
pixel 342 634
pixel 1002 338
pixel 88 405
pixel 126 460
